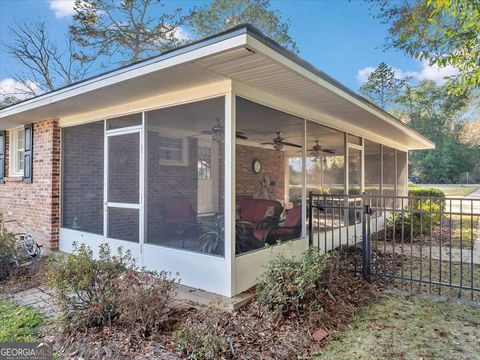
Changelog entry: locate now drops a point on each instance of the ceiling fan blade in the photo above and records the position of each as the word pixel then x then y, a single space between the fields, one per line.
pixel 329 151
pixel 267 143
pixel 241 135
pixel 291 144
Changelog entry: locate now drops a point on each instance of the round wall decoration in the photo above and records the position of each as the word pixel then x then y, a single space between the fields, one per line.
pixel 256 166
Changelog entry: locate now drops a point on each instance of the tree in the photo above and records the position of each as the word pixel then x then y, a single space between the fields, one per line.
pixel 221 15
pixel 445 32
pixel 382 87
pixel 471 133
pixel 131 29
pixel 46 67
pixel 7 100
pixel 437 114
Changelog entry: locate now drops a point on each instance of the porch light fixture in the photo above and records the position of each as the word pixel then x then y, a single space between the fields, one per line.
pixel 278 146
pixel 317 150
pixel 218 136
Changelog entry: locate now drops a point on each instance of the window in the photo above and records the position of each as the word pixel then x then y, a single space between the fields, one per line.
pixel 204 163
pixel 17 149
pixel 172 151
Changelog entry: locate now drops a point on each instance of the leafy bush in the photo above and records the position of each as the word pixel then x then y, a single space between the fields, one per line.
pixel 201 340
pixel 86 289
pixel 428 193
pixel 419 214
pixel 286 282
pixel 109 289
pixel 7 252
pixel 417 218
pixel 143 300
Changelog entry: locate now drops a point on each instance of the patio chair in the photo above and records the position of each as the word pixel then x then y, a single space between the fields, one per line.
pixel 256 213
pixel 287 229
pixel 179 218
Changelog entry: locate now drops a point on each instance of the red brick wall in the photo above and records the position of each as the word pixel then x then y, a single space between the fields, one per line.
pixel 37 205
pixel 273 165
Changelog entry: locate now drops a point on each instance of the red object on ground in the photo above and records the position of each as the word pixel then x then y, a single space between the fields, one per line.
pixel 320 334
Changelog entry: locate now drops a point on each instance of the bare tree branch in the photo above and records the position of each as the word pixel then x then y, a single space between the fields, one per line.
pixel 45 66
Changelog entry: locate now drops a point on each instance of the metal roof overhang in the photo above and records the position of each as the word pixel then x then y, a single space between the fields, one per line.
pixel 242 54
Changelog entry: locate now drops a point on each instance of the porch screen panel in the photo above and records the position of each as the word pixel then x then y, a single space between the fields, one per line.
pixel 325 163
pixel 124 168
pixel 389 175
pixel 123 224
pixel 269 176
pixel 402 173
pixel 185 177
pixel 124 121
pixel 82 177
pixel 373 167
pixel 354 171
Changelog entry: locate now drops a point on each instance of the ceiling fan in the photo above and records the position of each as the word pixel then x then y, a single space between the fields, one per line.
pixel 279 142
pixel 318 149
pixel 218 132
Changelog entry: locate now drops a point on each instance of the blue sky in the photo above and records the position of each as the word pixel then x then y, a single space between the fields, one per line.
pixel 337 36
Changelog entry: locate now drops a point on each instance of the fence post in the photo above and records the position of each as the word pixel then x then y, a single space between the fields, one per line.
pixel 366 235
pixel 310 219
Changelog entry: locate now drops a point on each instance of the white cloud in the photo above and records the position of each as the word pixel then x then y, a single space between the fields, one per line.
pixel 12 87
pixel 435 73
pixel 363 74
pixel 426 72
pixel 62 8
pixel 182 34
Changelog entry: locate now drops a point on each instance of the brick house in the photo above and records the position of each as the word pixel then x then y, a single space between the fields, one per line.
pixel 196 158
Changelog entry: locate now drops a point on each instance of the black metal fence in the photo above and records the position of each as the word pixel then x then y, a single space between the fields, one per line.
pixel 417 243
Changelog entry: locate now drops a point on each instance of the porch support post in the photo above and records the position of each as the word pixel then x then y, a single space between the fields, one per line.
pixel 304 177
pixel 230 139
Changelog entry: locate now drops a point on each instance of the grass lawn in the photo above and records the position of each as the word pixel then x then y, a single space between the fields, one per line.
pixel 445 272
pixel 409 328
pixel 466 237
pixel 18 323
pixel 451 190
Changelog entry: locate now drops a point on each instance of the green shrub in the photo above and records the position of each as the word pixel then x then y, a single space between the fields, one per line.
pixel 419 214
pixel 143 300
pixel 109 289
pixel 7 252
pixel 87 290
pixel 286 282
pixel 425 192
pixel 416 220
pixel 202 340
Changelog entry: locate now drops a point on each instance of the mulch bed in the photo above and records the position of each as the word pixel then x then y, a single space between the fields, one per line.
pixel 251 333
pixel 25 277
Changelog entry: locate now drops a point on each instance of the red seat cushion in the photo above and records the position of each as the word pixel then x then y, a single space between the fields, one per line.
pixel 294 217
pixel 253 210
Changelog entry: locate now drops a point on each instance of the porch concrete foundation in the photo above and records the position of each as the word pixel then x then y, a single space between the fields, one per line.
pixel 186 293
